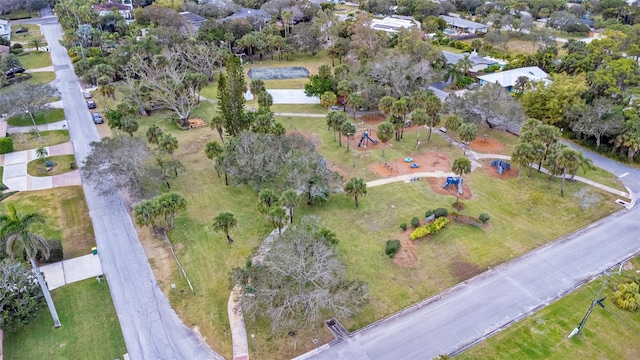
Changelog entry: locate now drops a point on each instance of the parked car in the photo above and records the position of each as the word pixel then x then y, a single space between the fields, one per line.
pixel 91 104
pixel 13 71
pixel 21 30
pixel 97 118
pixel 443 129
pixel 86 94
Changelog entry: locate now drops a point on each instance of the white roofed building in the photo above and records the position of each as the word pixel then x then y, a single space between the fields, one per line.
pixel 507 79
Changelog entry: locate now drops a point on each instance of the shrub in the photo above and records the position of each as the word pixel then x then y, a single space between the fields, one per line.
pixel 55 252
pixel 428 213
pixel 432 228
pixel 415 222
pixel 440 212
pixel 16 49
pixel 392 248
pixel 6 145
pixel 484 217
pixel 403 226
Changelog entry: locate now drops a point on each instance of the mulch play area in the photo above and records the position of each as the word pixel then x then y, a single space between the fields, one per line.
pixel 486 146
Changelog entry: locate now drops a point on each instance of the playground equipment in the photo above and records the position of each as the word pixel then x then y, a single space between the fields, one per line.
pixel 415 166
pixel 408 159
pixel 453 181
pixel 501 165
pixel 365 135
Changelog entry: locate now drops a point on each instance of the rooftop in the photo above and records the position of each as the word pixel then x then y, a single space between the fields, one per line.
pixel 453 58
pixel 245 13
pixel 391 24
pixel 110 6
pixel 461 23
pixel 508 78
pixel 191 17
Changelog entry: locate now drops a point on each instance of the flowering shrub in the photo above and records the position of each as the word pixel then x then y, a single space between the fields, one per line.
pixel 432 228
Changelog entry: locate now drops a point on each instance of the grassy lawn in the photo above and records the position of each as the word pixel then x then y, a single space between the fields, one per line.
pixel 298 108
pixel 63 162
pixel 451 257
pixel 66 215
pixel 28 141
pixel 24 38
pixel 36 78
pixel 47 116
pixel 544 335
pixel 90 328
pixel 19 14
pixel 35 60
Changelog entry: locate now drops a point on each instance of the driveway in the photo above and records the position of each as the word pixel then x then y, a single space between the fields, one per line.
pixel 150 327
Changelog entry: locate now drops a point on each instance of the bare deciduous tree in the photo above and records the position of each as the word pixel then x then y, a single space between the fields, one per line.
pixel 28 98
pixel 124 163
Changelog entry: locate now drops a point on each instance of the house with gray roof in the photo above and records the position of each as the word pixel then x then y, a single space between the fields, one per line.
pixel 465 25
pixel 479 63
pixel 193 21
pixel 245 13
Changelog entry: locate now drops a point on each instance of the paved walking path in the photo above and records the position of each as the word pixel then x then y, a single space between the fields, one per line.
pixel 69 271
pixel 15 175
pixel 42 69
pixel 59 125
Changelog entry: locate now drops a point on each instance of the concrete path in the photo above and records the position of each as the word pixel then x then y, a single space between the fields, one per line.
pixel 59 125
pixel 72 270
pixel 407 177
pixel 15 175
pixel 42 69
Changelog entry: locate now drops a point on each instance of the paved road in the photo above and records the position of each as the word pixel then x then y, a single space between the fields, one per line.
pixel 468 313
pixel 151 328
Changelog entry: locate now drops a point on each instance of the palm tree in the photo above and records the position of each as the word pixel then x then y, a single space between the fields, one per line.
pixel 340 120
pixel 287 18
pixel 217 122
pixel 453 124
pixel 168 204
pixel 257 86
pixel 386 104
pixel 224 222
pixel 569 160
pixel 290 199
pixel 277 218
pixel 451 74
pixel 265 100
pixel 355 187
pixel 107 90
pixel 14 230
pixel 523 155
pixel 476 44
pixel 420 97
pixel 432 105
pixel 36 43
pixel 154 133
pixel 468 133
pixel 345 88
pixel 333 119
pixel 465 64
pixel 266 199
pixel 214 150
pixel 401 108
pixel 461 166
pixel 420 118
pixel 328 98
pixel 41 154
pixel 348 129
pixel 627 296
pixel 355 101
pixel 385 132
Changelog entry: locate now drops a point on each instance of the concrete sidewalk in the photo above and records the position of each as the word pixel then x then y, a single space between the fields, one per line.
pixel 59 125
pixel 72 270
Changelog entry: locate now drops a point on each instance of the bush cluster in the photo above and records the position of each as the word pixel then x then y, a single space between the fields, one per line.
pixel 393 246
pixel 484 217
pixel 415 222
pixel 432 228
pixel 440 212
pixel 403 226
pixel 460 45
pixel 6 145
pixel 55 252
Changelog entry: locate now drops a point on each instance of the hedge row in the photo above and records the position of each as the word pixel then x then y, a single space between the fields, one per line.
pixel 432 228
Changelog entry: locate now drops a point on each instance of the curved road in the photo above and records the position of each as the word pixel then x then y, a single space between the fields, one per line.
pixel 470 312
pixel 151 328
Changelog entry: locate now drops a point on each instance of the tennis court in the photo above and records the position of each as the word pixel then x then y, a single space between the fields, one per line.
pixel 276 73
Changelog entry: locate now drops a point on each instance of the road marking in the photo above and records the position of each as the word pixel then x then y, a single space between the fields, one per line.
pixel 623 175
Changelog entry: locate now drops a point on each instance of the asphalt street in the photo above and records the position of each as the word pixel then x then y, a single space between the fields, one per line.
pixel 150 326
pixel 478 308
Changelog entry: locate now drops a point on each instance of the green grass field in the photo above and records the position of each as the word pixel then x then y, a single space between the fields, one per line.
pixel 66 217
pixel 62 165
pixel 28 141
pixel 35 60
pixel 46 116
pixel 90 328
pixel 42 77
pixel 609 333
pixel 453 256
pixel 24 38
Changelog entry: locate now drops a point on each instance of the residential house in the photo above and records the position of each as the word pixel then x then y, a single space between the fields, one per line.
pixel 458 24
pixel 5 29
pixel 479 63
pixel 507 79
pixel 246 13
pixel 193 21
pixel 109 7
pixel 392 24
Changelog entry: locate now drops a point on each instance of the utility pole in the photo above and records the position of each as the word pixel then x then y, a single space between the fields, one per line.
pixel 596 301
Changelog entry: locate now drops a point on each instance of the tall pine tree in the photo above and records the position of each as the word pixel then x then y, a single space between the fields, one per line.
pixel 231 89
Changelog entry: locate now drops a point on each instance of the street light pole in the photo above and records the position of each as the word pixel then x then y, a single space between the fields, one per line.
pixel 253 345
pixel 596 301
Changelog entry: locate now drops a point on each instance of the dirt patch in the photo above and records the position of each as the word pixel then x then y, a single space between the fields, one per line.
pixel 436 186
pixel 159 256
pixel 406 257
pixel 196 123
pixel 372 120
pixel 463 270
pixel 493 171
pixel 313 138
pixel 430 161
pixel 486 146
